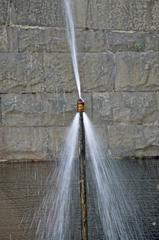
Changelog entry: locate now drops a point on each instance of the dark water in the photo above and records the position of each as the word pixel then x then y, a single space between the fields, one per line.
pixel 22 187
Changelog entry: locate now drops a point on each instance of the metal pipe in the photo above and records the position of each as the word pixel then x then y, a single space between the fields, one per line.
pixel 83 182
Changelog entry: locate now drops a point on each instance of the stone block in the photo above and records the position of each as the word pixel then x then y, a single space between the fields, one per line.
pixel 30 143
pixel 126 107
pixel 58 72
pixel 102 108
pixel 33 12
pixel 4 4
pixel 135 108
pixel 117 41
pixel 9 39
pixel 57 138
pixel 40 109
pixel 13 35
pixel 131 140
pixel 45 12
pixel 3 39
pixel 54 39
pixel 27 72
pixel 21 72
pixel 155 15
pixel 137 71
pixel 97 71
pixel 151 42
pixel 42 39
pixel 123 15
pixel 23 143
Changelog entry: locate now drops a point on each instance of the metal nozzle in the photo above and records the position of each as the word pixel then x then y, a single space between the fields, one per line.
pixel 80 105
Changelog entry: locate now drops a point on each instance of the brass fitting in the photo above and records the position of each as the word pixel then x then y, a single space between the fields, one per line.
pixel 80 105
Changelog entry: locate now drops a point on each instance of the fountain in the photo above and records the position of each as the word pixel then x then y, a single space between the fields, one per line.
pixel 113 207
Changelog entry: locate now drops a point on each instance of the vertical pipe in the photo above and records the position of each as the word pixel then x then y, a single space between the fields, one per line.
pixel 83 185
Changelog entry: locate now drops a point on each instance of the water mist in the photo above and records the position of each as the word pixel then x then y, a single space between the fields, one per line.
pixel 54 212
pixel 114 210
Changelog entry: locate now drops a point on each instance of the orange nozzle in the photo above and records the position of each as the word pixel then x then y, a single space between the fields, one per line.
pixel 80 105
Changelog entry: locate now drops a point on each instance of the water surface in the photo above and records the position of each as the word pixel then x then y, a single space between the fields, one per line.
pixel 22 187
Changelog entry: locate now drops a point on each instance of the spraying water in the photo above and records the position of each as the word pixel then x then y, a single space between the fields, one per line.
pixel 113 207
pixel 53 219
pixel 114 210
pixel 72 42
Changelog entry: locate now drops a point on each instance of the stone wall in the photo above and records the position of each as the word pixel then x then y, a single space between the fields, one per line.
pixel 118 51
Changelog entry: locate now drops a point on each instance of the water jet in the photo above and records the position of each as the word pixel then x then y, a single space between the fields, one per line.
pixel 113 206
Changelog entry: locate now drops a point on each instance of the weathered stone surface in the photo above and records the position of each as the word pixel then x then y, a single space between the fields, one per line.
pixel 36 12
pixel 45 12
pixel 13 34
pixel 58 73
pixel 117 41
pixel 152 42
pixel 4 11
pixel 104 40
pixel 40 109
pixel 53 39
pixel 33 143
pixel 126 107
pixel 3 39
pixel 21 72
pixel 102 108
pixel 123 15
pixel 23 143
pixel 130 140
pixel 25 72
pixel 155 15
pixel 137 71
pixel 97 72
pixel 42 39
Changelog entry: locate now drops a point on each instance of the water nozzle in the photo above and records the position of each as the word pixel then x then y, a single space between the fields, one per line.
pixel 80 105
